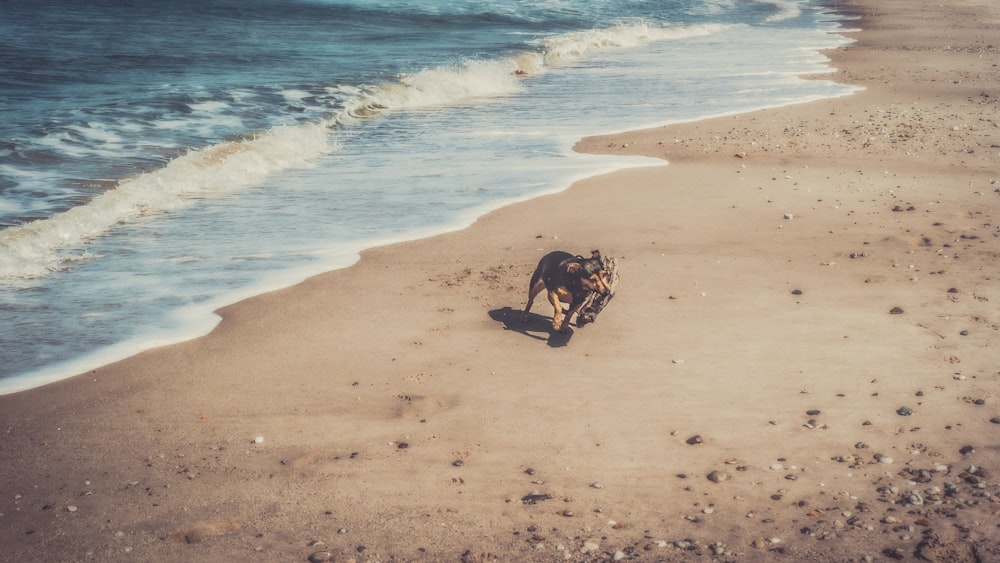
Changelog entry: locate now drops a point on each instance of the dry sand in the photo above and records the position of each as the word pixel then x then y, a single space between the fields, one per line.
pixel 406 413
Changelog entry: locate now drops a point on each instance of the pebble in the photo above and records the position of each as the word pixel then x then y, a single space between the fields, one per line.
pixel 718 476
pixel 619 555
pixel 694 440
pixel 597 485
pixel 458 463
pixel 258 440
pixel 321 556
pixel 896 311
pixel 813 412
pixel 904 411
pixel 71 508
pixel 590 547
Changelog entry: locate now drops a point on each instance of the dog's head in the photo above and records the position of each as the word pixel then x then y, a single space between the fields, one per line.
pixel 590 271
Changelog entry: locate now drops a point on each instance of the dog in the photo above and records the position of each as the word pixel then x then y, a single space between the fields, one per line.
pixel 569 279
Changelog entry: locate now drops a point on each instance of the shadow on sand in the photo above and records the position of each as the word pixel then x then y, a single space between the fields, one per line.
pixel 511 320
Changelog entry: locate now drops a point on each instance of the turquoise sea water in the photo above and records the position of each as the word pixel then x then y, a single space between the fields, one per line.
pixel 160 160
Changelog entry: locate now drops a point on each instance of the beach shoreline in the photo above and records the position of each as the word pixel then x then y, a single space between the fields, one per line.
pixel 801 361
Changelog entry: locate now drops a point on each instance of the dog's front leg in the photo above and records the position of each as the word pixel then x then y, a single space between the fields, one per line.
pixel 574 308
pixel 558 322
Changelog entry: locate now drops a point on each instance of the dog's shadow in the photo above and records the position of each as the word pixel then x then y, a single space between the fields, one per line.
pixel 511 320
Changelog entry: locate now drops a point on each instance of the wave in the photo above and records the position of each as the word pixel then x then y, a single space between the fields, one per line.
pixel 473 79
pixel 786 11
pixel 38 248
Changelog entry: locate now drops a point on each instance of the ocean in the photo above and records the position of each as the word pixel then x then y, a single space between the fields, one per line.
pixel 159 160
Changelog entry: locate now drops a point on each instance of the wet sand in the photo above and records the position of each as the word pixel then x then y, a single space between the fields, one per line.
pixel 801 363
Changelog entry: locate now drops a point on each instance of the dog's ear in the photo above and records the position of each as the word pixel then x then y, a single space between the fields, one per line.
pixel 573 267
pixel 595 254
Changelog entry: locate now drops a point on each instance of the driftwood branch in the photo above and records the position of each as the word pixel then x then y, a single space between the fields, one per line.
pixel 597 302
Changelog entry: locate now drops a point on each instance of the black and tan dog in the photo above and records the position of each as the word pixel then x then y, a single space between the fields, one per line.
pixel 568 279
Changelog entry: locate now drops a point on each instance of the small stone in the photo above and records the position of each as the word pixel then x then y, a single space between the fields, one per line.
pixel 619 555
pixel 995 420
pixel 567 513
pixel 71 508
pixel 966 450
pixel 904 411
pixel 896 311
pixel 458 463
pixel 529 471
pixel 320 557
pixel 813 412
pixel 402 445
pixel 597 485
pixel 694 440
pixel 718 476
pixel 590 547
pixel 258 440
pixel 796 292
pixel 789 216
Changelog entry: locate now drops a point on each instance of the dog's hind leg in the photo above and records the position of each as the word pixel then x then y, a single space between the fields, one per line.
pixel 533 291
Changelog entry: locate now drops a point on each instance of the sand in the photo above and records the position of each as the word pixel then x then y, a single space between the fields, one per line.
pixel 811 291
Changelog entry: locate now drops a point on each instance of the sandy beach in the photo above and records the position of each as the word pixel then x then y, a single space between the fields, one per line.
pixel 802 362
